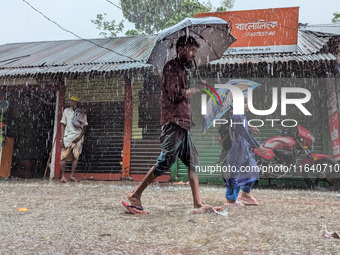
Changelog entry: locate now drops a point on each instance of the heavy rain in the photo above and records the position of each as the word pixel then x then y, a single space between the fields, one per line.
pixel 184 127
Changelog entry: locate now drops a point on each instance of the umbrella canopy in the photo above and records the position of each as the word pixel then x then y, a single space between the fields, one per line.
pixel 215 110
pixel 212 34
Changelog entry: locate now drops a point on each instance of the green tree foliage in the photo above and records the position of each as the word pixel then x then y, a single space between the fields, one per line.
pixel 225 5
pixel 336 18
pixel 155 15
pixel 109 28
pixel 152 16
pixel 134 32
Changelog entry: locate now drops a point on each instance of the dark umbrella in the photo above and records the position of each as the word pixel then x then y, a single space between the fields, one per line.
pixel 213 35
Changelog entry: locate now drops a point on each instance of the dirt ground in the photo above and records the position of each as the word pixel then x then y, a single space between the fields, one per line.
pixel 88 218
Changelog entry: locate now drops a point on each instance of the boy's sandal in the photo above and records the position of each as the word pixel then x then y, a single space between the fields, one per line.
pixel 134 209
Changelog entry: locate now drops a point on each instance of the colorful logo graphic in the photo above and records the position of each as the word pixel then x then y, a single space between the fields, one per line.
pixel 213 90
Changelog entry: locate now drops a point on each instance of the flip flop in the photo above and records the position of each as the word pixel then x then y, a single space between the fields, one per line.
pixel 134 209
pixel 203 209
pixel 251 200
pixel 73 179
pixel 207 209
pixel 63 180
pixel 218 208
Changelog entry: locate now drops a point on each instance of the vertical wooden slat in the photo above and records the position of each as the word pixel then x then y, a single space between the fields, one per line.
pixel 127 129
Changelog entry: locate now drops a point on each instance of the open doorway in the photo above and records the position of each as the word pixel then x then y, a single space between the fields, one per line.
pixel 30 120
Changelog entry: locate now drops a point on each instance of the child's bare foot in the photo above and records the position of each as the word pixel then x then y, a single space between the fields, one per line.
pixel 245 195
pixel 248 198
pixel 233 203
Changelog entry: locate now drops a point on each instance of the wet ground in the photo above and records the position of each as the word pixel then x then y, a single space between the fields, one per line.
pixel 88 218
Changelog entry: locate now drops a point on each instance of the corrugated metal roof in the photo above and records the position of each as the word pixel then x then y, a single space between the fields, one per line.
pixel 271 59
pixel 332 29
pixel 308 48
pixel 113 54
pixel 104 67
pixel 129 53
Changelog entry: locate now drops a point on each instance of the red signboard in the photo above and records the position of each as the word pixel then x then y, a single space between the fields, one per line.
pixel 261 31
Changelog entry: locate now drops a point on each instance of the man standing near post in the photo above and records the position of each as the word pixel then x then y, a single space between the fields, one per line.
pixel 73 127
pixel 176 122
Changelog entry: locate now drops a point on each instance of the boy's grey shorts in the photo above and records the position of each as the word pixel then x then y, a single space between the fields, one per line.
pixel 176 143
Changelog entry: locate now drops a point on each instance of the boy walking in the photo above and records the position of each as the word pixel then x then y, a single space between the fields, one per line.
pixel 176 138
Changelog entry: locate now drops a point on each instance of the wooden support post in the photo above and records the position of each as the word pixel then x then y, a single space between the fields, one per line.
pixel 60 107
pixel 127 130
pixel 6 158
